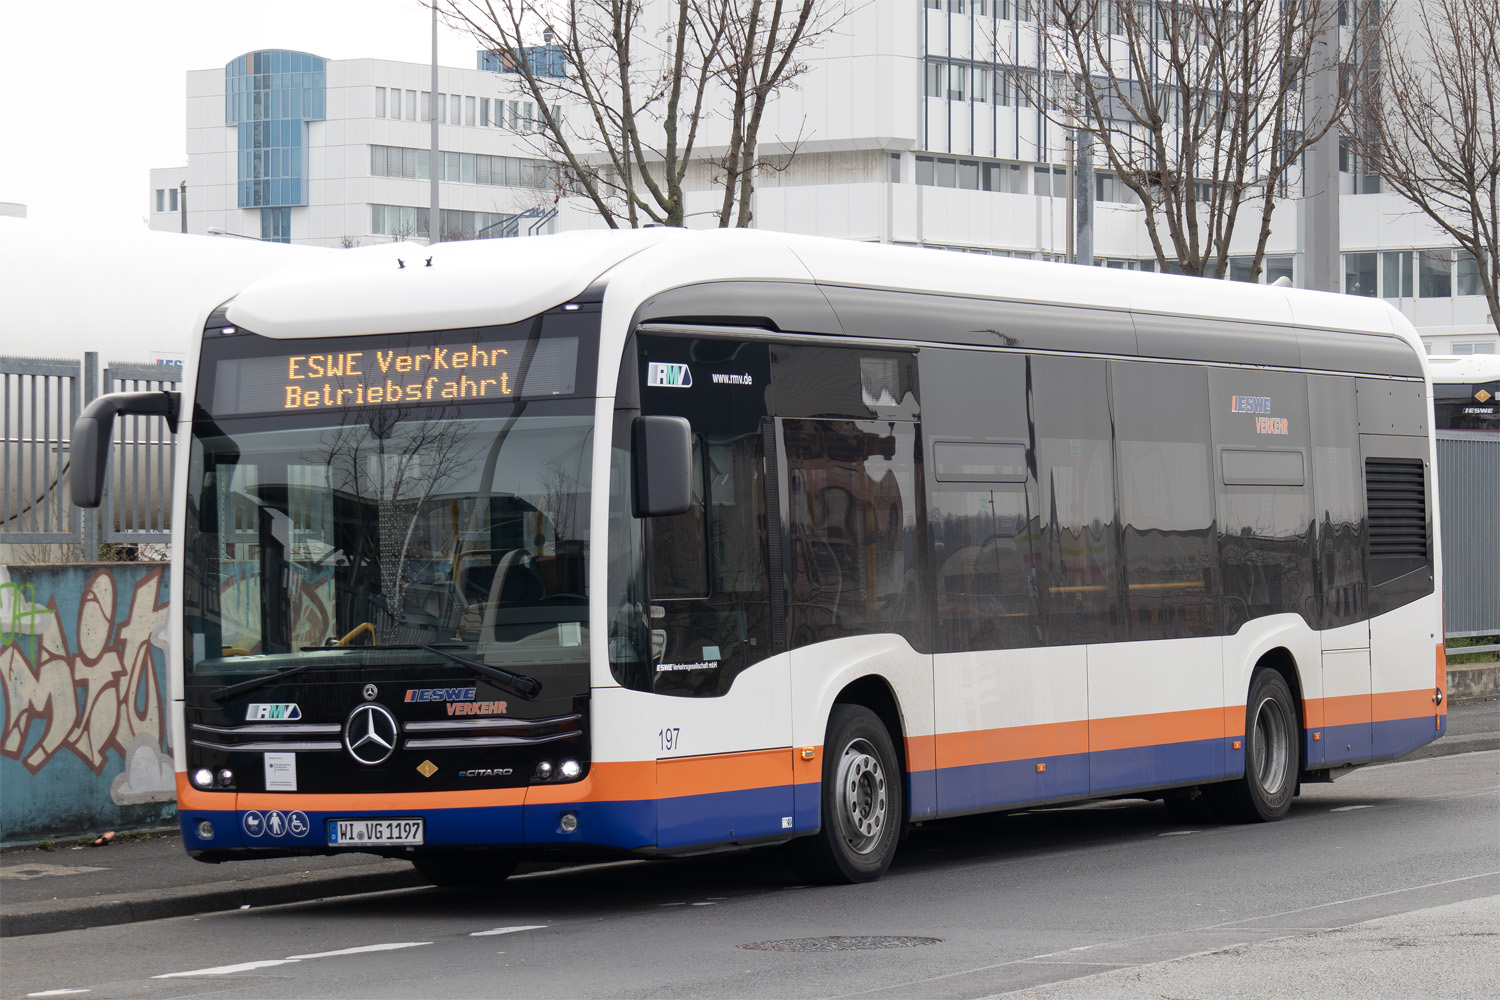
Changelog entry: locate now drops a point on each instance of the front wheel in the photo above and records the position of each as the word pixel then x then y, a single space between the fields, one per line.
pixel 1273 754
pixel 464 869
pixel 861 800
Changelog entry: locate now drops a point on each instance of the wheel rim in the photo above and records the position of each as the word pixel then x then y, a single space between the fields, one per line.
pixel 1270 752
pixel 862 799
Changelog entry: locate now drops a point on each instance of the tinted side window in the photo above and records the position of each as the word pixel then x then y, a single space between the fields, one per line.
pixel 855 523
pixel 1166 500
pixel 1265 539
pixel 1079 578
pixel 1338 497
pixel 844 382
pixel 984 512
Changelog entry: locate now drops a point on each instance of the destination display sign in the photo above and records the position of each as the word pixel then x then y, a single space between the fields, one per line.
pixel 406 375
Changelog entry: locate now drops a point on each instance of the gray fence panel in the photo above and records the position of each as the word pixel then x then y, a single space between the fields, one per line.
pixel 137 503
pixel 1469 491
pixel 39 403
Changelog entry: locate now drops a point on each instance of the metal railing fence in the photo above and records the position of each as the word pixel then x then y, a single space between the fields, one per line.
pixel 40 400
pixel 1469 499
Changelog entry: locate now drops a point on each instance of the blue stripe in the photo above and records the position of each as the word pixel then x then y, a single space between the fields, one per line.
pixel 717 817
pixel 1114 771
pixel 1346 744
pixel 973 787
pixel 1394 737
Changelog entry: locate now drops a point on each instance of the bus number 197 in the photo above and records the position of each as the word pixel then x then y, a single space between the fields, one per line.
pixel 670 738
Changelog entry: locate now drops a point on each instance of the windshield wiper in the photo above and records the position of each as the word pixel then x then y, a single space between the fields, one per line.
pixel 526 687
pixel 225 693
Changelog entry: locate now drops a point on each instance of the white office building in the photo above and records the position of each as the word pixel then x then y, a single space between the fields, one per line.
pixel 893 144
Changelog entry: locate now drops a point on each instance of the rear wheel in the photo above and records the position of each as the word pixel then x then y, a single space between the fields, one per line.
pixel 1273 754
pixel 861 800
pixel 464 869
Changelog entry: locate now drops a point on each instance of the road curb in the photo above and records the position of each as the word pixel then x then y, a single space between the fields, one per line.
pixel 1474 680
pixel 50 916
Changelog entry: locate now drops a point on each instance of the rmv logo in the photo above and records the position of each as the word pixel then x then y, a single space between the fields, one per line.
pixel 284 712
pixel 669 376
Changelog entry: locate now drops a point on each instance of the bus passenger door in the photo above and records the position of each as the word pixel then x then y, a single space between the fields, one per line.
pixel 723 730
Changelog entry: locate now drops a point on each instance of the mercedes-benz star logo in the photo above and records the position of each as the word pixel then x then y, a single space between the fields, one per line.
pixel 370 692
pixel 370 734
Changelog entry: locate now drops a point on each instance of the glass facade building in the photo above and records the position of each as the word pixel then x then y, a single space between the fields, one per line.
pixel 270 96
pixel 544 60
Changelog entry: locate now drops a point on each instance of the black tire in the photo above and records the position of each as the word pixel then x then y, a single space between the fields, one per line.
pixel 863 802
pixel 464 869
pixel 1273 754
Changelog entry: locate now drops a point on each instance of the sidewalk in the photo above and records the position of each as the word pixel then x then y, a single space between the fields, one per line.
pixel 69 888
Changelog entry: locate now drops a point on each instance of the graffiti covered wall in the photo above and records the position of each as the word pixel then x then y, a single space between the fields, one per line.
pixel 83 698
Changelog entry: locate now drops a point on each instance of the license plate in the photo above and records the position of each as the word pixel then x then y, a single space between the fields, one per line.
pixel 365 832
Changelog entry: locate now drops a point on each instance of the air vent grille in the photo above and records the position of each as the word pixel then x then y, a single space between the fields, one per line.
pixel 1396 497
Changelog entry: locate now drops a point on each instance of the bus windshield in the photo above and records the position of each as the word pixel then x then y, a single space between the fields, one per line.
pixel 420 534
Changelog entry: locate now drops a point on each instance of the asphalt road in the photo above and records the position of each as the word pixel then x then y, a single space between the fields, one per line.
pixel 1385 884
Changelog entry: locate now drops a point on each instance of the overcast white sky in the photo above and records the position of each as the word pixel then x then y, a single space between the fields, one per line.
pixel 92 92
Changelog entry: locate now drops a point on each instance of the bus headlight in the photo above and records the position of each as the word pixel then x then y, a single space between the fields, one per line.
pixel 203 778
pixel 205 830
pixel 544 770
pixel 571 769
pixel 567 822
pixel 226 778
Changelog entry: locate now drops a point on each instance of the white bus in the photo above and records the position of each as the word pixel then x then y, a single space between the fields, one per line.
pixel 1465 387
pixel 660 543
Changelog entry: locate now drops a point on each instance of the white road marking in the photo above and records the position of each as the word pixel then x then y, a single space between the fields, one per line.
pixel 508 930
pixel 361 950
pixel 224 970
pixel 1177 833
pixel 1344 809
pixel 55 993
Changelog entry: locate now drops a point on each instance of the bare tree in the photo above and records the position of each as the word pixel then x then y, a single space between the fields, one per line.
pixel 760 52
pixel 1197 107
pixel 641 79
pixel 1427 123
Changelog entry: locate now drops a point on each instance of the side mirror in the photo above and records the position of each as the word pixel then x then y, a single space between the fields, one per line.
pixel 95 431
pixel 663 465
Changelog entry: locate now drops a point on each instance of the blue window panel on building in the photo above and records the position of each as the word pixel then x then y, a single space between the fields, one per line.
pixel 276 225
pixel 271 95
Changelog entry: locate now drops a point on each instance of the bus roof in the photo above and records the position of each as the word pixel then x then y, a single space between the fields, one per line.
pixel 407 287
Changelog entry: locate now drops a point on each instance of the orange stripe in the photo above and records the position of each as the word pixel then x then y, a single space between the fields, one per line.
pixel 1131 731
pixel 1312 713
pixel 1442 678
pixel 1401 705
pixel 1234 720
pixel 991 746
pixel 1346 710
pixel 921 753
pixel 723 772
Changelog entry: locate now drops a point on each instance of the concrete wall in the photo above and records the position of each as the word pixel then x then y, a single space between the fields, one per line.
pixel 83 691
